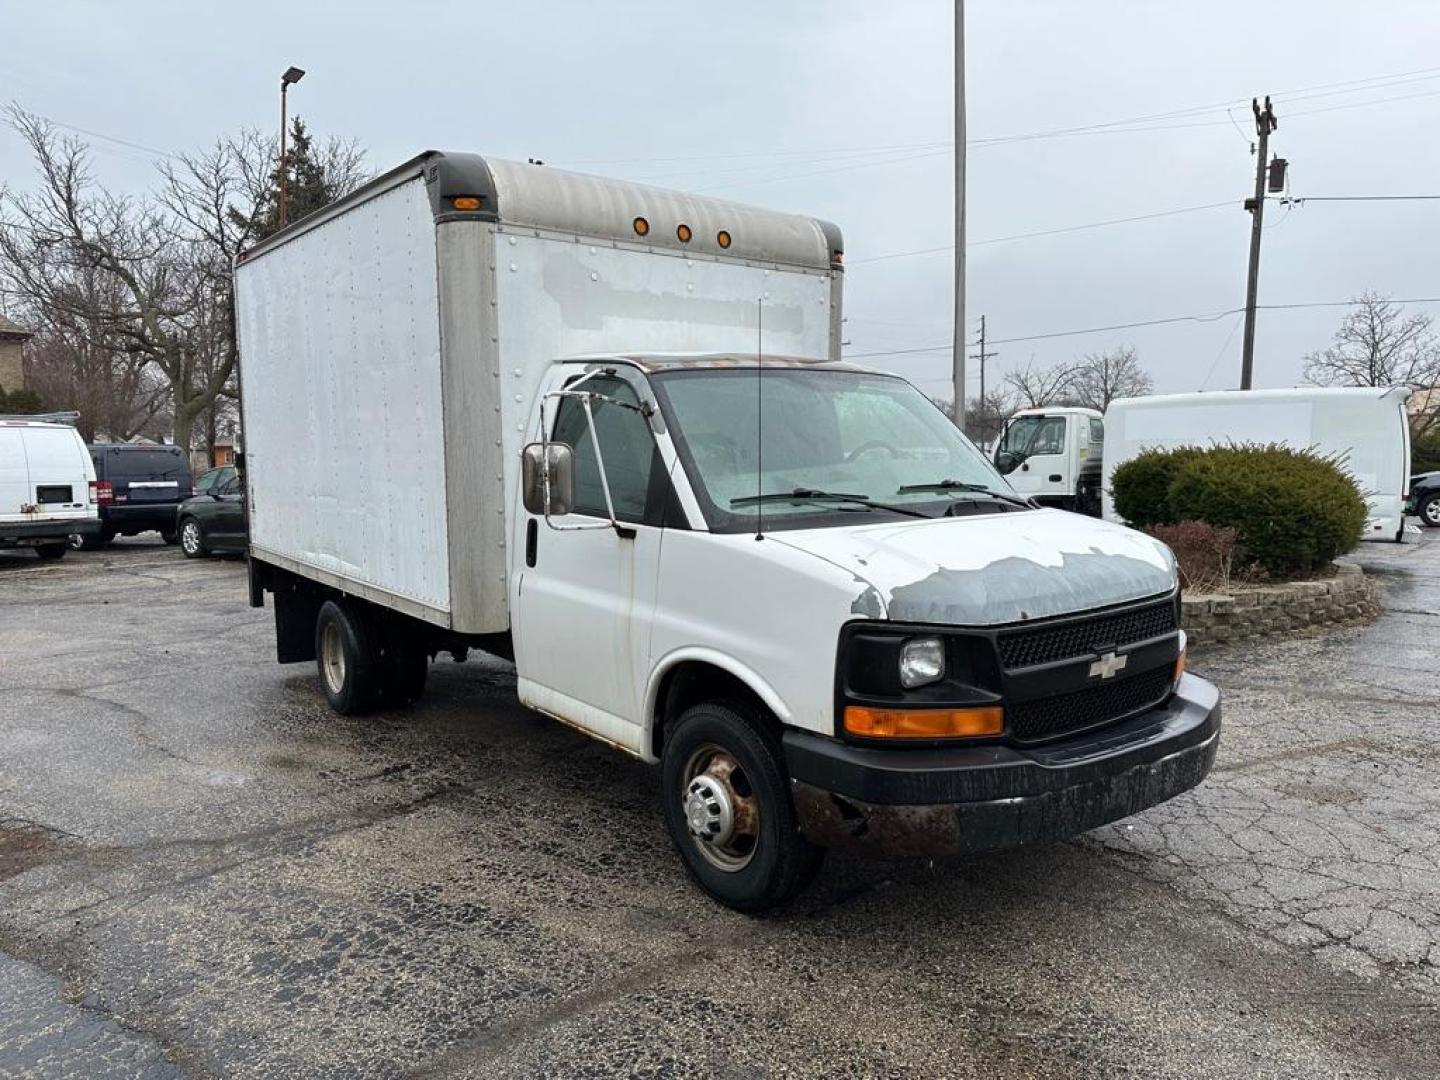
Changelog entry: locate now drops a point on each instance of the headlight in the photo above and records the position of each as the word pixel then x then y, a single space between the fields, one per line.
pixel 922 660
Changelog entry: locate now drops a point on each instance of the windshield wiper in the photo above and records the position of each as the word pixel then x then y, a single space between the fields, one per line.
pixel 961 485
pixel 813 495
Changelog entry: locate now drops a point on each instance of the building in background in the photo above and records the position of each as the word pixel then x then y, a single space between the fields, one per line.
pixel 12 343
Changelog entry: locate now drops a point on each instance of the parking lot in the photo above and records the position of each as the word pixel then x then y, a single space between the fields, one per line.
pixel 204 872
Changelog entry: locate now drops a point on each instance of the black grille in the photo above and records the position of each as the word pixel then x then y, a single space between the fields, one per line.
pixel 1047 644
pixel 1048 718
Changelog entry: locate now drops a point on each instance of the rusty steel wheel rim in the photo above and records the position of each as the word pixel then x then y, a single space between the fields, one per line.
pixel 332 658
pixel 720 809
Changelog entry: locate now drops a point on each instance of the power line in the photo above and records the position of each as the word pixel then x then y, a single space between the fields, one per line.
pixel 1302 199
pixel 1046 232
pixel 1207 317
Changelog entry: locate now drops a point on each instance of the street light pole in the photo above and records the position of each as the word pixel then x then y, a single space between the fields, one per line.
pixel 292 75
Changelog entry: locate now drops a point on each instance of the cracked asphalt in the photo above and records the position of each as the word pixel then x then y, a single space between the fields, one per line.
pixel 205 873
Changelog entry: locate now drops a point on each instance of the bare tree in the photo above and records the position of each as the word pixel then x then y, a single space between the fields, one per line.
pixel 1102 377
pixel 985 418
pixel 1046 386
pixel 141 289
pixel 1378 344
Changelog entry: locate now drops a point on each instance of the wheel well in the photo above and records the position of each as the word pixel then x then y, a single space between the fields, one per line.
pixel 693 681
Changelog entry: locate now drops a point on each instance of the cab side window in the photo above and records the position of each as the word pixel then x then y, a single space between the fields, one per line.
pixel 1050 439
pixel 1097 433
pixel 632 464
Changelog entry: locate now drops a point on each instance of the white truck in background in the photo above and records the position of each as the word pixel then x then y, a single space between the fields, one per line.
pixel 1364 429
pixel 1053 455
pixel 603 429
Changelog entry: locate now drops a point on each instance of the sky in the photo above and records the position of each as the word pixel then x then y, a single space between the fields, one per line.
pixel 844 110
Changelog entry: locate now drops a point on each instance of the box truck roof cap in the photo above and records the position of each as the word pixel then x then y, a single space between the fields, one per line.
pixel 548 199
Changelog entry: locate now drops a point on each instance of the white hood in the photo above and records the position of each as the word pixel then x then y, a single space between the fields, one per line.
pixel 991 569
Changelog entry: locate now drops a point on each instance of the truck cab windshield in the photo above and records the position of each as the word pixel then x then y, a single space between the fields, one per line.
pixel 826 448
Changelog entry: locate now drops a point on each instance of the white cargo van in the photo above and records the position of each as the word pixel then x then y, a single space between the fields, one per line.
pixel 1053 455
pixel 1365 429
pixel 47 486
pixel 602 429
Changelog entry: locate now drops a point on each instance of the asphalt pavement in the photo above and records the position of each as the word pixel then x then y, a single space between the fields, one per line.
pixel 203 872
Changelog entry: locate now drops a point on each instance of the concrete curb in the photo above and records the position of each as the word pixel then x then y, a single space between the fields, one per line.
pixel 1252 611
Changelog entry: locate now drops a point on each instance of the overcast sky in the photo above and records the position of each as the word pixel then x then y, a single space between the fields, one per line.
pixel 844 109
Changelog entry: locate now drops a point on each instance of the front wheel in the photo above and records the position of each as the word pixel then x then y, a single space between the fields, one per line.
pixel 170 536
pixel 192 539
pixel 1429 511
pixel 728 808
pixel 50 552
pixel 89 541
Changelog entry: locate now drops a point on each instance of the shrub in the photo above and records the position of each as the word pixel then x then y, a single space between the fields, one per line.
pixel 1141 486
pixel 1425 454
pixel 1292 511
pixel 1205 554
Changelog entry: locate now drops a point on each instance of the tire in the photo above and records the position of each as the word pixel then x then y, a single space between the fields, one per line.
pixel 757 868
pixel 171 537
pixel 89 541
pixel 51 552
pixel 192 539
pixel 1429 511
pixel 348 658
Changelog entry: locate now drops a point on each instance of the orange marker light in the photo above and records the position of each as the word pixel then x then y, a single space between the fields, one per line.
pixel 683 233
pixel 642 227
pixel 722 238
pixel 924 723
pixel 466 202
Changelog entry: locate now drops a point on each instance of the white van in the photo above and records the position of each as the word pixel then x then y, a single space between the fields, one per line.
pixel 47 486
pixel 1364 428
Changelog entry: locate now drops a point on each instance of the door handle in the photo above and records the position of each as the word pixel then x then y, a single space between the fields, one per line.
pixel 1054 478
pixel 532 538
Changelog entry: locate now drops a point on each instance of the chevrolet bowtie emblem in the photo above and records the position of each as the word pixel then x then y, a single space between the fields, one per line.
pixel 1108 664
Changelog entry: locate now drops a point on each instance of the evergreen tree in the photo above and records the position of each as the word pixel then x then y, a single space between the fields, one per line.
pixel 312 183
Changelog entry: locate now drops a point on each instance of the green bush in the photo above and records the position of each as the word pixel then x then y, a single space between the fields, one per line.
pixel 1293 511
pixel 1425 454
pixel 1141 486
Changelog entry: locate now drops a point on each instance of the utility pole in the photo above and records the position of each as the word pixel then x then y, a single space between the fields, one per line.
pixel 982 356
pixel 1265 123
pixel 958 346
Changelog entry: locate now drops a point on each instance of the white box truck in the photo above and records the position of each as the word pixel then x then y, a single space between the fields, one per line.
pixel 602 429
pixel 1054 455
pixel 1365 429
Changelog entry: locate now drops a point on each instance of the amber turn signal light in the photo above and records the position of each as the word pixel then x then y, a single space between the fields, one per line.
pixel 1180 665
pixel 466 202
pixel 924 723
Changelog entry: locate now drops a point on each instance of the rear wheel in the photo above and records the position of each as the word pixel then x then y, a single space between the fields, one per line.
pixel 348 656
pixel 728 808
pixel 192 539
pixel 1429 511
pixel 50 552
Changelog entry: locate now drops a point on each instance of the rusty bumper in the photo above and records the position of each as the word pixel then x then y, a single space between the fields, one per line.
pixel 896 803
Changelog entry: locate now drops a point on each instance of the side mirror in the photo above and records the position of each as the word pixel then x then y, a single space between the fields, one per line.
pixel 1005 461
pixel 560 471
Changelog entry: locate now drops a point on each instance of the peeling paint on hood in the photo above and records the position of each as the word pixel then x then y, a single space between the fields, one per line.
pixel 985 571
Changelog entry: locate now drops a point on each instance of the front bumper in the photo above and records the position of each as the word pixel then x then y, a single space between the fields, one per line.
pixel 895 803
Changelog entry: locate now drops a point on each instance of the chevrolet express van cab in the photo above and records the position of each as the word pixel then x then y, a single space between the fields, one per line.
pixel 602 429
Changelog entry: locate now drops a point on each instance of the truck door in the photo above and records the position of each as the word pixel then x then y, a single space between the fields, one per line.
pixel 584 599
pixel 1038 444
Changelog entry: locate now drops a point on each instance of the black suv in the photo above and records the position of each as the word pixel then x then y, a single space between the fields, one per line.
pixel 138 488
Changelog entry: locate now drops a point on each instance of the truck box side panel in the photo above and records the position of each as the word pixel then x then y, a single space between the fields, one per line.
pixel 340 348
